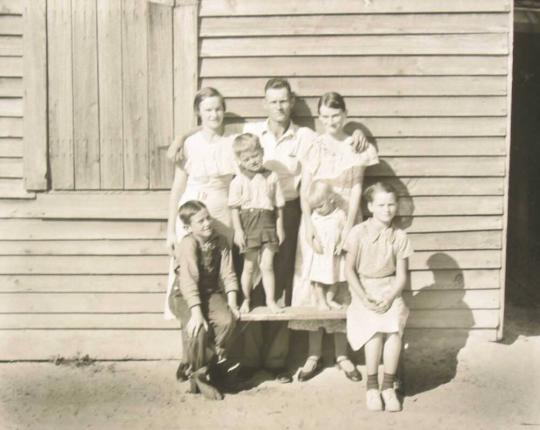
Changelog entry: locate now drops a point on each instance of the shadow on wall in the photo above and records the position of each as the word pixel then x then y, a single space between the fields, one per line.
pixel 431 356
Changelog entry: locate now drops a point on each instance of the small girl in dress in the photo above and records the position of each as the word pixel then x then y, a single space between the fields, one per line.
pixel 256 201
pixel 328 264
pixel 376 269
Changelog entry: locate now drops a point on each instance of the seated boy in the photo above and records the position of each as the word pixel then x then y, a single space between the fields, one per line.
pixel 204 298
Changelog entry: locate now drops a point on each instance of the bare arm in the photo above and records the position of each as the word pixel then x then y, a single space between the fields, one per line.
pixel 239 236
pixel 279 225
pixel 352 212
pixel 175 152
pixel 354 281
pixel 177 189
pixel 400 281
pixel 311 238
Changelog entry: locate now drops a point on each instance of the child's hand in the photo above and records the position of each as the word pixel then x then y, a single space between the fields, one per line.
pixel 240 239
pixel 341 241
pixel 196 322
pixel 384 303
pixel 359 141
pixel 313 240
pixel 280 234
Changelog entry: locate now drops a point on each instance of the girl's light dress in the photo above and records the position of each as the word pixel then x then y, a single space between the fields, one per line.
pixel 328 268
pixel 376 252
pixel 210 167
pixel 337 164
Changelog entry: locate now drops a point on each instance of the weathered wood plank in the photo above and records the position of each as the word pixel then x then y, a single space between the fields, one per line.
pixel 421 241
pixel 85 283
pixel 11 87
pixel 441 318
pixel 35 95
pixel 11 25
pixel 441 146
pixel 439 166
pixel 43 229
pixel 11 127
pixel 11 147
pixel 457 240
pixel 386 106
pixel 448 44
pixel 481 259
pixel 434 186
pixel 153 302
pixel 451 223
pixel 13 188
pixel 109 31
pixel 98 344
pixel 11 46
pixel 308 7
pixel 11 107
pixel 265 67
pixel 154 265
pixel 186 65
pixel 153 206
pixel 11 66
pixel 11 7
pixel 369 86
pixel 85 95
pixel 135 93
pixel 450 279
pixel 160 94
pixel 11 168
pixel 353 24
pixel 60 94
pixel 453 279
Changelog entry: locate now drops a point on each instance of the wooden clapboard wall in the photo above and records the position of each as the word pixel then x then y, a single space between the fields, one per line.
pixel 85 271
pixel 11 100
pixel 110 94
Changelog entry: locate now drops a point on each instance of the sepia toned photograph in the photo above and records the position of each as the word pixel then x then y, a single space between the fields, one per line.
pixel 285 214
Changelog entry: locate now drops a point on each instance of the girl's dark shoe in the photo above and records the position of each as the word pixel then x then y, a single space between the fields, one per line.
pixel 316 368
pixel 353 375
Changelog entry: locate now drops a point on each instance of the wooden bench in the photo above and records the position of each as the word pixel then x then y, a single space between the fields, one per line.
pixel 296 313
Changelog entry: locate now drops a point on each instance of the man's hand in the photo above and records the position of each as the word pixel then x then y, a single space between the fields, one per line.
pixel 359 141
pixel 196 322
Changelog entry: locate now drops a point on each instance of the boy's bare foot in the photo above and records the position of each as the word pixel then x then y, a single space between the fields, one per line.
pixel 245 308
pixel 333 304
pixel 274 307
pixel 323 306
pixel 199 379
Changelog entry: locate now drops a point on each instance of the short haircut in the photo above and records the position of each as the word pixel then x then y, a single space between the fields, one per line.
pixel 377 187
pixel 277 84
pixel 188 209
pixel 246 142
pixel 205 93
pixel 332 100
pixel 319 192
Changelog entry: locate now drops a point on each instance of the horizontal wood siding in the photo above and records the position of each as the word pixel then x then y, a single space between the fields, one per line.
pixel 427 79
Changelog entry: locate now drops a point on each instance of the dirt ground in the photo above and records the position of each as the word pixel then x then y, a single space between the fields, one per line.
pixel 450 385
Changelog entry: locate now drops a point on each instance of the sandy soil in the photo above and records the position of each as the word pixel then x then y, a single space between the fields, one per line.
pixel 459 384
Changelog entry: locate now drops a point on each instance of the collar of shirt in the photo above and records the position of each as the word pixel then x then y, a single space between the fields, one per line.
pixel 290 133
pixel 375 232
pixel 250 174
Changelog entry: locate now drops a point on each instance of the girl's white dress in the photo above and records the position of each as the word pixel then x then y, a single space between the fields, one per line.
pixel 376 252
pixel 338 165
pixel 210 167
pixel 328 268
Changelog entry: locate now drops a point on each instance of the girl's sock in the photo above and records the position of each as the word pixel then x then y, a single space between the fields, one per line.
pixel 388 381
pixel 372 382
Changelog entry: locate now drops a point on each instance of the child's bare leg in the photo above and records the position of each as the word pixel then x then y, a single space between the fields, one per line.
pixel 320 296
pixel 331 295
pixel 250 265
pixel 268 279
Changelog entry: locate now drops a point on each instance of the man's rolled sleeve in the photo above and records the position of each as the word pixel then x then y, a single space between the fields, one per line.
pixel 188 273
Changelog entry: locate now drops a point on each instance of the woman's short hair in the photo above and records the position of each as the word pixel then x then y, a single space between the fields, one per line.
pixel 205 93
pixel 377 187
pixel 319 192
pixel 188 209
pixel 332 100
pixel 246 142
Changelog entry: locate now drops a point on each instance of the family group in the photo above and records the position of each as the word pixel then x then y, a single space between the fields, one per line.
pixel 280 204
